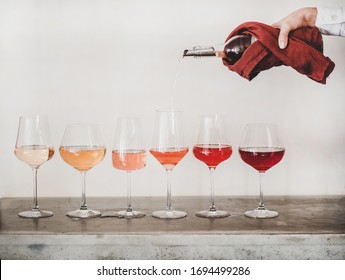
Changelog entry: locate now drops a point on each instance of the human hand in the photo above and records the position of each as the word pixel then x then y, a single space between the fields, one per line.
pixel 299 18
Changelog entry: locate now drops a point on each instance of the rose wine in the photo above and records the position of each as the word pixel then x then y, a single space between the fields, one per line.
pixel 169 157
pixel 34 155
pixel 82 158
pixel 129 160
pixel 212 154
pixel 262 158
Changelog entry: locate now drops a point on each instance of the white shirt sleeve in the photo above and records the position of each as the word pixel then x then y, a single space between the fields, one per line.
pixel 331 21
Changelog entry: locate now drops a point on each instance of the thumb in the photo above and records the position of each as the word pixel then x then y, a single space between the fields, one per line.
pixel 283 36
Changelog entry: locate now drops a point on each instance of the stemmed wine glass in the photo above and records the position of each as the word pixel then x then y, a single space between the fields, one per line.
pixel 128 154
pixel 34 147
pixel 82 147
pixel 261 148
pixel 169 148
pixel 212 148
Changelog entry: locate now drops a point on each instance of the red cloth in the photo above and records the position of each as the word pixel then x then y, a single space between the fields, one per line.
pixel 304 52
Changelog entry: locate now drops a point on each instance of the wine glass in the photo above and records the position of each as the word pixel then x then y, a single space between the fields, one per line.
pixel 169 148
pixel 82 147
pixel 212 148
pixel 33 146
pixel 128 154
pixel 261 148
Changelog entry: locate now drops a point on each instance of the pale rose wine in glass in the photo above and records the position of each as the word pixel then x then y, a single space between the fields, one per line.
pixel 169 148
pixel 33 146
pixel 130 160
pixel 129 155
pixel 212 148
pixel 262 149
pixel 82 147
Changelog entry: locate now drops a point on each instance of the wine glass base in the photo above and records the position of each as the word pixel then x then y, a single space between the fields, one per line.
pixel 173 214
pixel 212 214
pixel 83 214
pixel 35 214
pixel 130 214
pixel 261 214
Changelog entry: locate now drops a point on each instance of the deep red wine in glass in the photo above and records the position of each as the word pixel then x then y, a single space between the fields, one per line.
pixel 262 158
pixel 262 149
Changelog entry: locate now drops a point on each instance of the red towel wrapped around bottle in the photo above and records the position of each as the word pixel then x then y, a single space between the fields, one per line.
pixel 304 52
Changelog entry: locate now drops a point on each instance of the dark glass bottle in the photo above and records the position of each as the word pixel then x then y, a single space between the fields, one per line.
pixel 232 50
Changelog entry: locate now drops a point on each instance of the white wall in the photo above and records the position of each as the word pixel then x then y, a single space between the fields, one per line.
pixel 93 61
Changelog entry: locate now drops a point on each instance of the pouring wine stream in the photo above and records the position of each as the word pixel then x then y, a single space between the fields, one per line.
pixel 177 73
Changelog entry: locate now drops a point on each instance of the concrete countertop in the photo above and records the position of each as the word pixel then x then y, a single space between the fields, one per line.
pixel 306 228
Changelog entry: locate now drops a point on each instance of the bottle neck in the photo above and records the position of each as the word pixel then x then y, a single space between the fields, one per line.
pixel 200 52
pixel 236 44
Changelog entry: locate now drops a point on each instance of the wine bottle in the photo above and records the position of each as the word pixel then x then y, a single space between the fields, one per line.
pixel 232 50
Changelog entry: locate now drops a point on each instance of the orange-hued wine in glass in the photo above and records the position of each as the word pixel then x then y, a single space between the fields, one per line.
pixel 34 147
pixel 212 147
pixel 261 148
pixel 82 147
pixel 169 148
pixel 82 158
pixel 129 155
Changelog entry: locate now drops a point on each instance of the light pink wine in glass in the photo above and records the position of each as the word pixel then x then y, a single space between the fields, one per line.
pixel 129 160
pixel 128 155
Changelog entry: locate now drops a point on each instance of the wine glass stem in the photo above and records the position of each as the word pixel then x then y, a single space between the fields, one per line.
pixel 129 196
pixel 169 202
pixel 212 207
pixel 35 204
pixel 83 192
pixel 261 203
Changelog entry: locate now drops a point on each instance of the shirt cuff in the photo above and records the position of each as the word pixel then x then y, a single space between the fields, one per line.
pixel 331 20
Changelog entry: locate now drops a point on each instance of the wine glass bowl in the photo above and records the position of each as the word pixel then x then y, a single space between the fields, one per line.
pixel 82 158
pixel 82 147
pixel 262 149
pixel 212 154
pixel 33 146
pixel 212 148
pixel 128 154
pixel 169 148
pixel 129 160
pixel 169 157
pixel 262 158
pixel 34 155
